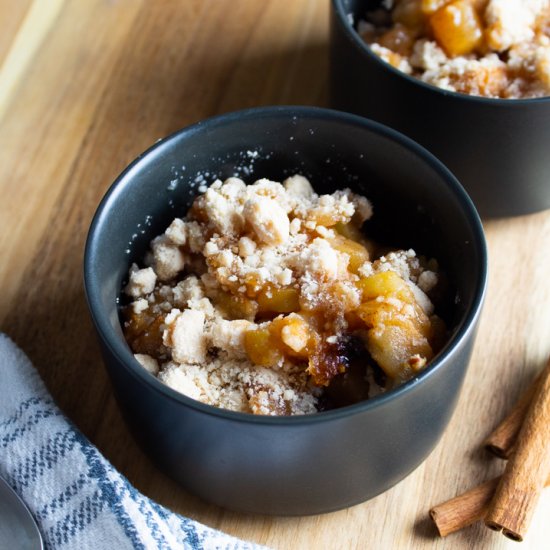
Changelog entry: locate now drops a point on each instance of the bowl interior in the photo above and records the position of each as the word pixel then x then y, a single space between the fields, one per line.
pixel 417 202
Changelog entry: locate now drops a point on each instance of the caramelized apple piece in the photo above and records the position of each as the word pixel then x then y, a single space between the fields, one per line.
pixel 385 283
pixel 457 28
pixel 253 284
pixel 409 13
pixel 236 306
pixel 431 6
pixel 398 330
pixel 357 253
pixel 399 39
pixel 288 335
pixel 293 335
pixel 398 350
pixel 354 321
pixel 350 231
pixel 326 362
pixel 296 335
pixel 261 348
pixel 324 217
pixel 279 300
pixel 143 332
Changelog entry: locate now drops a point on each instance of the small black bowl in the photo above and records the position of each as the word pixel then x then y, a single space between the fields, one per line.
pixel 499 149
pixel 303 464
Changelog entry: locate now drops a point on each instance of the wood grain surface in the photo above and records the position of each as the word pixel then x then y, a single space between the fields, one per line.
pixel 85 86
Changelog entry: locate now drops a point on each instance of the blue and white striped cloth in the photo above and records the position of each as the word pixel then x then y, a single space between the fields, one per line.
pixel 78 499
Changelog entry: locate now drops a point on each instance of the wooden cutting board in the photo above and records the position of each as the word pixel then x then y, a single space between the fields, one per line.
pixel 85 86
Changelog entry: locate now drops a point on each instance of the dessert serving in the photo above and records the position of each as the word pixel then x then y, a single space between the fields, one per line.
pixel 268 299
pixel 491 48
pixel 271 463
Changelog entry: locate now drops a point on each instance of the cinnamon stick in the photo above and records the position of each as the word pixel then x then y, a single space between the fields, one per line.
pixel 465 509
pixel 527 470
pixel 501 441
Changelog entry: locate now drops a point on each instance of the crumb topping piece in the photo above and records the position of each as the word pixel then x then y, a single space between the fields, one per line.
pixel 267 219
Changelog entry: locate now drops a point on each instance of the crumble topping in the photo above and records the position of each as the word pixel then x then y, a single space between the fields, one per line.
pixel 269 299
pixel 491 48
pixel 150 364
pixel 141 281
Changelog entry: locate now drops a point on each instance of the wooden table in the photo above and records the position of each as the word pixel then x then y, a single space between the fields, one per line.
pixel 86 85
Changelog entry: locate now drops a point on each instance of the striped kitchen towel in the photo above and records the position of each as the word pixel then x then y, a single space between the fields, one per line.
pixel 78 499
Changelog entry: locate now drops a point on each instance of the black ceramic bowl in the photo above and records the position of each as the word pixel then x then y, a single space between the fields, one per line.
pixel 497 148
pixel 290 465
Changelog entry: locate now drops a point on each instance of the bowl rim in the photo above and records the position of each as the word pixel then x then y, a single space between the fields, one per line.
pixel 353 35
pixel 122 353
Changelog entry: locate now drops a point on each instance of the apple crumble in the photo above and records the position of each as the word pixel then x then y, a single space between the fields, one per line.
pixel 268 299
pixel 491 48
